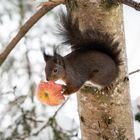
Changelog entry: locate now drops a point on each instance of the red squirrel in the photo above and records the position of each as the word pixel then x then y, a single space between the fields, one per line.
pixel 95 57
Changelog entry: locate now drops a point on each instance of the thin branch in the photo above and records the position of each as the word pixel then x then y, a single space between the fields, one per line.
pixel 33 119
pixel 133 72
pixel 28 24
pixel 53 117
pixel 131 3
pixel 60 107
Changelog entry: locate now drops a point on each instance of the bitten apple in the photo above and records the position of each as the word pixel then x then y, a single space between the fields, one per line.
pixel 50 93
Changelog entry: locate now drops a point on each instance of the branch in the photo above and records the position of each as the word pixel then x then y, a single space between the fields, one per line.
pixel 50 119
pixel 28 24
pixel 133 72
pixel 131 3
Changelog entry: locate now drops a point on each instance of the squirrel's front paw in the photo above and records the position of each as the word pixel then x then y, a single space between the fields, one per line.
pixel 65 90
pixel 65 93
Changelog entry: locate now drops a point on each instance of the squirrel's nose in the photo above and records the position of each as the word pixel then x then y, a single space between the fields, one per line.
pixel 47 78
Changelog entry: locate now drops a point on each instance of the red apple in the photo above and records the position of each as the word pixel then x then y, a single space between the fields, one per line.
pixel 50 93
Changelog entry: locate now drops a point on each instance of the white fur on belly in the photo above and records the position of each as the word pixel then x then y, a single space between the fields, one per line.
pixel 89 83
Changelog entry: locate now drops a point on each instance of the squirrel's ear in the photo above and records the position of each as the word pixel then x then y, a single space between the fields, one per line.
pixel 58 59
pixel 46 57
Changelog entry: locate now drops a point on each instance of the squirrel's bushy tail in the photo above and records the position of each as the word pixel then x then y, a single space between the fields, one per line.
pixel 90 39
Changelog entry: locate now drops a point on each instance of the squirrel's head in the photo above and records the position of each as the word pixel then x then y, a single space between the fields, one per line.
pixel 55 68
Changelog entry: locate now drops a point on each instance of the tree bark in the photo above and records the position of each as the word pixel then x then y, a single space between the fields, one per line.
pixel 104 115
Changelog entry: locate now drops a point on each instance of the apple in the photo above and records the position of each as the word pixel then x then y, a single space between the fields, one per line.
pixel 50 93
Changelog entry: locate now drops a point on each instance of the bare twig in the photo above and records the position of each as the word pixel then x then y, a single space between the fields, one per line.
pixel 60 107
pixel 131 3
pixel 53 117
pixel 133 72
pixel 33 119
pixel 24 29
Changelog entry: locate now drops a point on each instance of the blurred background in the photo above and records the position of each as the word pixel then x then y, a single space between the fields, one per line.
pixel 22 116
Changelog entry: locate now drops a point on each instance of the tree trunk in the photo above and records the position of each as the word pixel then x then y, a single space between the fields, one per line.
pixel 104 115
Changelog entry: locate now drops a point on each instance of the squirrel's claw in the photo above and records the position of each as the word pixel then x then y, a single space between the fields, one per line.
pixel 65 91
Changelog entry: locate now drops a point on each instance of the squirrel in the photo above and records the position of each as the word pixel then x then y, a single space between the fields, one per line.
pixel 95 57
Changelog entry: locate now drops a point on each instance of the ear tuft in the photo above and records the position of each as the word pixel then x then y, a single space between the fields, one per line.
pixel 46 56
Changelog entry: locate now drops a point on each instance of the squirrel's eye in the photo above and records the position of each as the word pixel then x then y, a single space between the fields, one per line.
pixel 55 70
